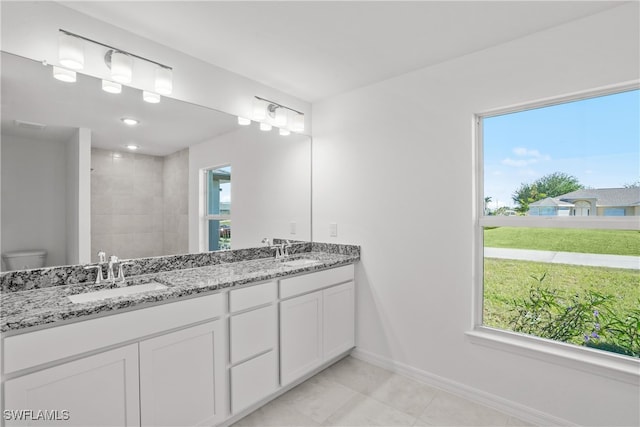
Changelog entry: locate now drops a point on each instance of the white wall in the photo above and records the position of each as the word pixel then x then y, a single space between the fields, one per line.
pixel 34 197
pixel 270 184
pixel 31 28
pixel 393 166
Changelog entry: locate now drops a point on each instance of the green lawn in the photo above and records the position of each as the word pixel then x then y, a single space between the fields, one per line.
pixel 614 242
pixel 509 280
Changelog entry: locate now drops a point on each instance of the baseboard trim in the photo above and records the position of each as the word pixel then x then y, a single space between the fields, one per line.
pixel 496 402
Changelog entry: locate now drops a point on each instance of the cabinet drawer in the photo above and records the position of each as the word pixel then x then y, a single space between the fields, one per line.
pixel 253 296
pixel 252 381
pixel 252 333
pixel 46 345
pixel 317 280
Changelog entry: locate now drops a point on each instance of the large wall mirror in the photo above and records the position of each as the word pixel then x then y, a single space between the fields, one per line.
pixel 71 187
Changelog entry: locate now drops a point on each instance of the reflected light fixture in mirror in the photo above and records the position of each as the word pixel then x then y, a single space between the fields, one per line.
pixel 285 131
pixel 64 75
pixel 111 87
pixel 243 121
pixel 150 97
pixel 70 51
pixel 265 127
pixel 132 147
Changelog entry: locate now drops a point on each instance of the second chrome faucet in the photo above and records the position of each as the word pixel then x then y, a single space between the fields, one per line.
pixel 112 277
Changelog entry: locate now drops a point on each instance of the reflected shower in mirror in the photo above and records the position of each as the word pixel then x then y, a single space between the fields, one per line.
pixel 77 179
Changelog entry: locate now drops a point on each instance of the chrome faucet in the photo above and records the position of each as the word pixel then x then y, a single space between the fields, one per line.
pixel 110 276
pixel 120 277
pixel 102 258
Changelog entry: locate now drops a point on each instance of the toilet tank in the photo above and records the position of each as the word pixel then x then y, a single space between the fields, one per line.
pixel 24 260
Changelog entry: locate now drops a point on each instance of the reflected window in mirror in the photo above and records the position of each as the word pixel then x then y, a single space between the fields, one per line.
pixel 218 208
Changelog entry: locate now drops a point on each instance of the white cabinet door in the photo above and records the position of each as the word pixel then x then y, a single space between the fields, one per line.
pixel 338 320
pixel 100 390
pixel 182 377
pixel 252 333
pixel 253 380
pixel 300 336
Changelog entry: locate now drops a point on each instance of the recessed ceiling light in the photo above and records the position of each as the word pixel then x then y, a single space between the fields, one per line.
pixel 129 121
pixel 132 146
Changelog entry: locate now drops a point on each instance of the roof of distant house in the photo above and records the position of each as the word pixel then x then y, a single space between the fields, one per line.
pixel 549 201
pixel 605 196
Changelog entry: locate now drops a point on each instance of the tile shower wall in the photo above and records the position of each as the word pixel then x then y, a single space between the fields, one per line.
pixel 126 204
pixel 176 200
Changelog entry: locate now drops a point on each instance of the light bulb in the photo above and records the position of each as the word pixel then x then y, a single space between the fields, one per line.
pixel 298 123
pixel 121 67
pixel 243 121
pixel 64 75
pixel 70 51
pixel 132 147
pixel 259 111
pixel 265 127
pixel 284 132
pixel 164 80
pixel 111 87
pixel 281 117
pixel 150 97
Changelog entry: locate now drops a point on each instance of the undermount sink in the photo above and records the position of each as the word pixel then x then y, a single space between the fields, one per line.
pixel 116 292
pixel 300 262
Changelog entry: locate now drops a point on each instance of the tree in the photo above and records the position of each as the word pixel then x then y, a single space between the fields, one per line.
pixel 487 200
pixel 551 185
pixel 634 184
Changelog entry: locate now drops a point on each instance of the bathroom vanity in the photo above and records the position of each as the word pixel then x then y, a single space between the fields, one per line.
pixel 213 344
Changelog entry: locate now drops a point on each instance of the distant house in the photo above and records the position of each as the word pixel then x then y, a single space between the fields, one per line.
pixel 600 202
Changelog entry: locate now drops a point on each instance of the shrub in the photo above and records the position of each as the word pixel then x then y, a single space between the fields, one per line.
pixel 584 318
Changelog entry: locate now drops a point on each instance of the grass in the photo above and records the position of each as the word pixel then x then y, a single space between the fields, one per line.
pixel 613 242
pixel 509 280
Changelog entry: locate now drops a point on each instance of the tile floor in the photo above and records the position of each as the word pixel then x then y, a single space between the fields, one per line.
pixel 356 393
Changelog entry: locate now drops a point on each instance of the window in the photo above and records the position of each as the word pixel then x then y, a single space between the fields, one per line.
pixel 565 266
pixel 217 208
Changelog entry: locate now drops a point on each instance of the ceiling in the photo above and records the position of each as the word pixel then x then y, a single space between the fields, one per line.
pixel 316 49
pixel 31 94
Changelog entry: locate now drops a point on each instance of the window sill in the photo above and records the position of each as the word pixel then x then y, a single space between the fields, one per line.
pixel 609 365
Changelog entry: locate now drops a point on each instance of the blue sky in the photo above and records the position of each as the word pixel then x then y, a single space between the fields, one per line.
pixel 596 140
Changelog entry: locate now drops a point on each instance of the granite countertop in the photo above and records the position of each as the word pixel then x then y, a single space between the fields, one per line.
pixel 46 307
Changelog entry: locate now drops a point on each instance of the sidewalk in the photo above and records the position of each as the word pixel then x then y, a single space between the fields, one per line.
pixel 596 260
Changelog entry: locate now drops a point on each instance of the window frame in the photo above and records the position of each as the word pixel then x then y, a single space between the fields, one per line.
pixel 205 217
pixel 578 357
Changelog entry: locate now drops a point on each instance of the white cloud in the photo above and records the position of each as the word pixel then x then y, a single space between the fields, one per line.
pixel 525 157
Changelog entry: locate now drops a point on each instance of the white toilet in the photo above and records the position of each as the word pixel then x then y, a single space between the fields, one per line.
pixel 24 260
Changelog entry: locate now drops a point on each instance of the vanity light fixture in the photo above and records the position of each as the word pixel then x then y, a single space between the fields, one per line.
pixel 243 121
pixel 265 126
pixel 285 131
pixel 111 87
pixel 273 113
pixel 150 97
pixel 129 121
pixel 64 75
pixel 119 61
